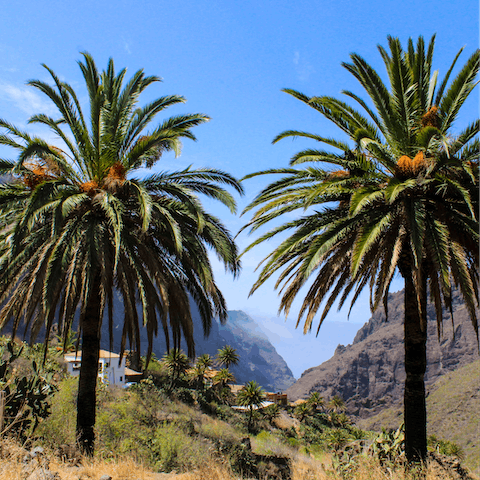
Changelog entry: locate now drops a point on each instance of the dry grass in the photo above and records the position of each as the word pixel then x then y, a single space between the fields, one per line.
pixel 210 471
pixel 303 467
pixel 13 468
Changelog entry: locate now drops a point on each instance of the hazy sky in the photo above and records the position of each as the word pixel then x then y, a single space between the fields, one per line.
pixel 230 59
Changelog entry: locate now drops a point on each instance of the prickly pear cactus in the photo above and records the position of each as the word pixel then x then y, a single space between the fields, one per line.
pixel 25 395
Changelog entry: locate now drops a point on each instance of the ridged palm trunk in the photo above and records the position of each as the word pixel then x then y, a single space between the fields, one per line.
pixel 87 385
pixel 415 412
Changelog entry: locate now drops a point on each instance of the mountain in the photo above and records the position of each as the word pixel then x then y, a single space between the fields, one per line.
pixel 259 360
pixel 369 374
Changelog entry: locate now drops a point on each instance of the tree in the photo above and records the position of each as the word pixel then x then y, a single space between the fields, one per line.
pixel 77 227
pixel 271 412
pixel 220 383
pixel 316 400
pixel 204 361
pixel 223 377
pixel 177 364
pixel 251 395
pixel 198 373
pixel 336 404
pixel 227 356
pixel 303 410
pixel 400 194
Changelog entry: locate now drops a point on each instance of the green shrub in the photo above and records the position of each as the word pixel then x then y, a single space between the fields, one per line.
pixel 59 427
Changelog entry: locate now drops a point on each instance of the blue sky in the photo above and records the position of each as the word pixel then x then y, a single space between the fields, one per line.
pixel 230 59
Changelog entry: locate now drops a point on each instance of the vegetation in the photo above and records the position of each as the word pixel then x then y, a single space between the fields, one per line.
pixel 251 396
pixel 153 428
pixel 25 390
pixel 227 356
pixel 401 196
pixel 77 226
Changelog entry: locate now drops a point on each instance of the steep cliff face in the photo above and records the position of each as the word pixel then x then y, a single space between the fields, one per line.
pixel 369 374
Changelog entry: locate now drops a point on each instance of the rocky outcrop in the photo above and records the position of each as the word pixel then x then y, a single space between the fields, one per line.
pixel 369 374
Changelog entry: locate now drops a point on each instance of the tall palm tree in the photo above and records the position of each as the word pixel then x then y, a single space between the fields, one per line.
pixel 251 395
pixel 227 356
pixel 76 225
pixel 398 194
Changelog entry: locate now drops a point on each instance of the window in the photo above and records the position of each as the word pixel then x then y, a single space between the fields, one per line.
pixel 121 379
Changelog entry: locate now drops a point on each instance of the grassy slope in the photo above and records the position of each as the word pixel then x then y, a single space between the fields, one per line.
pixel 453 407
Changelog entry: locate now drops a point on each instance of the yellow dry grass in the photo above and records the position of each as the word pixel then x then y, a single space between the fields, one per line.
pixel 303 467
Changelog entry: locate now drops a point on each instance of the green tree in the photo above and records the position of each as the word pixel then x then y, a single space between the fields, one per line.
pixel 204 361
pixel 223 377
pixel 227 356
pixel 303 411
pixel 336 404
pixel 202 364
pixel 271 412
pixel 177 364
pixel 399 194
pixel 78 226
pixel 316 401
pixel 251 395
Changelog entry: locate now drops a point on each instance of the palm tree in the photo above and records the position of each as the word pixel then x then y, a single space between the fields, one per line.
pixel 177 364
pixel 77 226
pixel 223 377
pixel 204 361
pixel 316 400
pixel 227 356
pixel 336 404
pixel 220 383
pixel 303 410
pixel 399 195
pixel 198 372
pixel 251 395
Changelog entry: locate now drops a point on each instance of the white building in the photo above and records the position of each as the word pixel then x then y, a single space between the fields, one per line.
pixel 109 370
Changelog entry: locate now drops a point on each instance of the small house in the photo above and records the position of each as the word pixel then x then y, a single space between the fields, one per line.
pixel 110 371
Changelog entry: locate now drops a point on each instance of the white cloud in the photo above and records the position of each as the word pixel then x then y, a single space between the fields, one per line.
pixel 27 100
pixel 126 46
pixel 302 67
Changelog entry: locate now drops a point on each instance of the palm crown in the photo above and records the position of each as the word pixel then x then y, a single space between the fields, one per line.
pixel 68 208
pixel 405 194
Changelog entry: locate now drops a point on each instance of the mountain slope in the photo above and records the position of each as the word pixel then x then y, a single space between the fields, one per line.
pixel 369 374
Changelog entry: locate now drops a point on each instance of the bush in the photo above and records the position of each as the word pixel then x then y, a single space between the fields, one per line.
pixel 59 427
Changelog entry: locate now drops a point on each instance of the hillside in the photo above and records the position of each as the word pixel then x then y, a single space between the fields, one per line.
pixel 259 360
pixel 369 374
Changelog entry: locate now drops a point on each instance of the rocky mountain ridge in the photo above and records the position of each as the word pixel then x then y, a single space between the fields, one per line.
pixel 369 374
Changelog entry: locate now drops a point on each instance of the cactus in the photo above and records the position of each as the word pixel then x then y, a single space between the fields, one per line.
pixel 25 395
pixel 389 446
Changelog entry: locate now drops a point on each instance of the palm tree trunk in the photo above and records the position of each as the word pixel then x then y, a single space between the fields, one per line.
pixel 87 385
pixel 415 412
